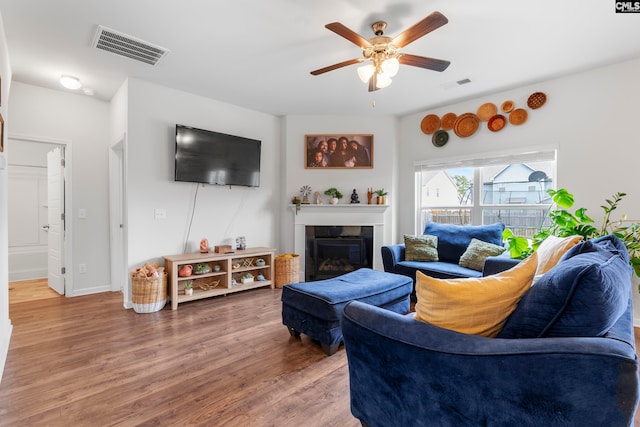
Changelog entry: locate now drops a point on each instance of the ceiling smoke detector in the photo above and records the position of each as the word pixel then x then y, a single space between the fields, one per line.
pixel 125 45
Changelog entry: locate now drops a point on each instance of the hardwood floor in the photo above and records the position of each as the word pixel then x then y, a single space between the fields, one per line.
pixel 226 361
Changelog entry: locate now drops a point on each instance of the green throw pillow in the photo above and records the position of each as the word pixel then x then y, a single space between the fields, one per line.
pixel 420 248
pixel 477 252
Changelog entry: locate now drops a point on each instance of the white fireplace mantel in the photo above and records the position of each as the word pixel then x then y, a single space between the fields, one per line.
pixel 335 215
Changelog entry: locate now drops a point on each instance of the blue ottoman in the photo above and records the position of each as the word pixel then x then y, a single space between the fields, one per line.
pixel 315 308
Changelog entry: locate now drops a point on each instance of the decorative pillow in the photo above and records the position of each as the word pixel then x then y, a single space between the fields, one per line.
pixel 477 252
pixel 454 239
pixel 583 295
pixel 420 248
pixel 477 305
pixel 552 249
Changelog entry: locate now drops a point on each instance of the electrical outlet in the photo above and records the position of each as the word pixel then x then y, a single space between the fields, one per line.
pixel 82 268
pixel 160 213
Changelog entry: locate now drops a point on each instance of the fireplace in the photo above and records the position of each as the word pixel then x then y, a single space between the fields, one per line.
pixel 345 224
pixel 335 250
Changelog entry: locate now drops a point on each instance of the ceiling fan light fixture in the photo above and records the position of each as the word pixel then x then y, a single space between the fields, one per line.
pixel 383 80
pixel 70 82
pixel 391 66
pixel 365 72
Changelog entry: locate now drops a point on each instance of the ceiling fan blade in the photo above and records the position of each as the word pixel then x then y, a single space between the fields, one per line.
pixel 424 62
pixel 336 66
pixel 428 24
pixel 348 34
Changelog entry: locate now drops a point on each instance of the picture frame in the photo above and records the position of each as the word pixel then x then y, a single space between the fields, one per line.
pixel 352 151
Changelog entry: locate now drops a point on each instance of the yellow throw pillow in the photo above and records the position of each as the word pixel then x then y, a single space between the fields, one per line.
pixel 420 248
pixel 551 250
pixel 474 305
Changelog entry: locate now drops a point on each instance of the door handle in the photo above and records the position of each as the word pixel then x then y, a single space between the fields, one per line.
pixel 45 227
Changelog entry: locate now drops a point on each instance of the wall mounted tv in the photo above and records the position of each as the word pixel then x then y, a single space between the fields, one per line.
pixel 216 158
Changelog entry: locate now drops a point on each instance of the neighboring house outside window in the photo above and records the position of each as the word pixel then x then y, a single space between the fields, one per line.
pixel 512 189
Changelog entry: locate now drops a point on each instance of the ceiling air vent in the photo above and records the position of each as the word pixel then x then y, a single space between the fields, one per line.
pixel 125 45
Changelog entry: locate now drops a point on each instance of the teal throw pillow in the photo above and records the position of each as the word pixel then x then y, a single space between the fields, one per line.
pixel 420 248
pixel 477 252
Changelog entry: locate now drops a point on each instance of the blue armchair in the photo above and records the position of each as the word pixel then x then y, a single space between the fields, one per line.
pixel 406 372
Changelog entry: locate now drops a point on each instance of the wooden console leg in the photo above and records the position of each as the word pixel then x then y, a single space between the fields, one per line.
pixel 329 349
pixel 293 332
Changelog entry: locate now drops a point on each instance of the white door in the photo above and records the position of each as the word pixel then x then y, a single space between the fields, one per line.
pixel 55 196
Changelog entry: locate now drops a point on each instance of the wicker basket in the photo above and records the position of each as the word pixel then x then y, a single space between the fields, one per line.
pixel 287 270
pixel 149 294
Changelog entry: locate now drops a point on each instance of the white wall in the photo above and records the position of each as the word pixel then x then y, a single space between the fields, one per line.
pixel 5 322
pixel 294 175
pixel 592 118
pixel 221 213
pixel 83 122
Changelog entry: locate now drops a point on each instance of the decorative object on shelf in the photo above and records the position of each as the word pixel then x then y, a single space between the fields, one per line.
pixel 260 277
pixel 448 120
pixel 518 116
pixel 338 151
pixel 188 287
pixel 440 138
pixel 305 190
pixel 318 198
pixel 211 285
pixel 241 243
pixel 296 201
pixel 334 195
pixel 381 196
pixel 204 246
pixel 235 266
pixel 466 125
pixel 369 195
pixel 354 197
pixel 536 100
pixel 429 124
pixel 216 268
pixel 247 262
pixel 222 249
pixel 246 278
pixel 260 262
pixel 148 288
pixel 202 268
pixel 497 122
pixel 234 282
pixel 185 271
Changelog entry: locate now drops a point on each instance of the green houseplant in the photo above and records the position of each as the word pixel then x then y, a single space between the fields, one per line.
pixel 563 223
pixel 334 194
pixel 381 196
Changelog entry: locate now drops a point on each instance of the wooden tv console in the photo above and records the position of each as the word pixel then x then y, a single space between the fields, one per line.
pixel 232 266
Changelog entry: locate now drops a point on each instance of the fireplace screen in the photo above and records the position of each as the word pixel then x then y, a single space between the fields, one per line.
pixel 334 250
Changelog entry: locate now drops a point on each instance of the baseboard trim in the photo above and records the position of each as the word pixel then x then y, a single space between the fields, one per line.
pixel 5 338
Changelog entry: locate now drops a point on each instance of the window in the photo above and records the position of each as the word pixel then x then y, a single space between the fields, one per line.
pixel 511 189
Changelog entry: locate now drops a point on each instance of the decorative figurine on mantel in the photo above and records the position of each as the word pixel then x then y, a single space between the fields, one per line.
pixel 305 190
pixel 318 198
pixel 204 246
pixel 354 197
pixel 369 195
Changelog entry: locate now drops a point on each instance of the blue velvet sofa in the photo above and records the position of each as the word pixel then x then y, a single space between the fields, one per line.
pixel 453 240
pixel 565 357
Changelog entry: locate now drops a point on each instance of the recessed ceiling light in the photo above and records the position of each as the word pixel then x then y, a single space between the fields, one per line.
pixel 70 82
pixel 87 91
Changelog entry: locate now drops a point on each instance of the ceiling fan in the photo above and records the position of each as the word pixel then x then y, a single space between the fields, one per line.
pixel 382 51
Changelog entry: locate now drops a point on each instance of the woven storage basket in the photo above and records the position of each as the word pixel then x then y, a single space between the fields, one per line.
pixel 287 270
pixel 149 294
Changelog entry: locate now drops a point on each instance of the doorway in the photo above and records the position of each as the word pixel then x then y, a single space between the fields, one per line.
pixel 39 236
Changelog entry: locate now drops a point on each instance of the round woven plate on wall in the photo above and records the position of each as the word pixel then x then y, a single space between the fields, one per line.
pixel 486 111
pixel 497 122
pixel 507 106
pixel 466 125
pixel 448 120
pixel 518 116
pixel 440 138
pixel 536 100
pixel 430 123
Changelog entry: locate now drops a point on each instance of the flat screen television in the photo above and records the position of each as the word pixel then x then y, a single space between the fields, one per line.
pixel 216 158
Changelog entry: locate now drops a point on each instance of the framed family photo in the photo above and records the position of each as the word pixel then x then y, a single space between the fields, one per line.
pixel 331 151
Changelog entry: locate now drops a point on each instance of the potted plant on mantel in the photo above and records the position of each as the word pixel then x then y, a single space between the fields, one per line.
pixel 565 223
pixel 334 195
pixel 381 196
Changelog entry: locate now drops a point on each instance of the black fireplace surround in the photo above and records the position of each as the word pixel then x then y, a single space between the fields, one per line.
pixel 333 250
